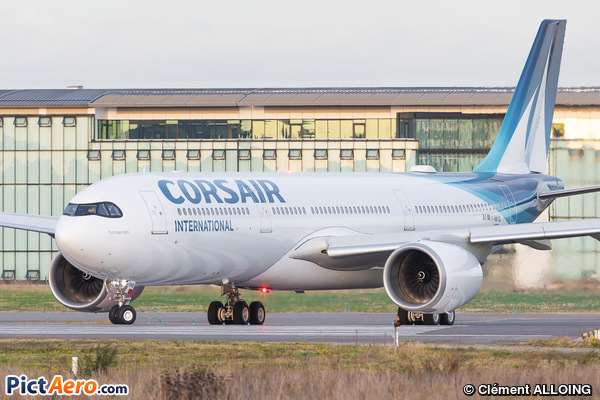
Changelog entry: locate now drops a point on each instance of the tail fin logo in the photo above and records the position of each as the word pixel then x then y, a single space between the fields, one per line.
pixel 524 137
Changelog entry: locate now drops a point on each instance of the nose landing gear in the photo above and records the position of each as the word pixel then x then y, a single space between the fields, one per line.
pixel 235 311
pixel 122 313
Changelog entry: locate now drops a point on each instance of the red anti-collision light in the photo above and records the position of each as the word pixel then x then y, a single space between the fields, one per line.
pixel 264 290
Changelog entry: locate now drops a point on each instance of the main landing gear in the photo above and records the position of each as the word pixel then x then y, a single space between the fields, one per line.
pixel 235 310
pixel 122 313
pixel 413 318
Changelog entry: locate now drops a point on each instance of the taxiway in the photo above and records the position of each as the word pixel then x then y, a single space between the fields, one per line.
pixel 343 328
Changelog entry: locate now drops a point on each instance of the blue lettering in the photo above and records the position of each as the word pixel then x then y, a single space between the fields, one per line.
pixel 12 382
pixel 261 196
pixel 272 191
pixel 245 192
pixel 208 190
pixel 260 191
pixel 162 184
pixel 196 198
pixel 234 198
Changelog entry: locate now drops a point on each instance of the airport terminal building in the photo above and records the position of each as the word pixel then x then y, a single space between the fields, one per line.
pixel 54 143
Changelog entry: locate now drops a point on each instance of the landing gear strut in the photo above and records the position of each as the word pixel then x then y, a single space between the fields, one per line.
pixel 122 313
pixel 413 318
pixel 235 310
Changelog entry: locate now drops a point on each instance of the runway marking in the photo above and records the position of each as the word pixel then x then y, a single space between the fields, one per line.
pixel 24 330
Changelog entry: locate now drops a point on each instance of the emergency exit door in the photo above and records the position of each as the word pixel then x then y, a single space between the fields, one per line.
pixel 157 214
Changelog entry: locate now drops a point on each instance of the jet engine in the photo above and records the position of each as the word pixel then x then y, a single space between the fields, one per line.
pixel 431 277
pixel 79 290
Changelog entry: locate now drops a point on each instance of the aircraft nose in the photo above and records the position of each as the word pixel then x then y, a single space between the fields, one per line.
pixel 75 242
pixel 66 237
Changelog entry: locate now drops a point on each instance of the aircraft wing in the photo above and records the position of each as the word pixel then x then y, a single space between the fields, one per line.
pixel 360 251
pixel 35 223
pixel 536 231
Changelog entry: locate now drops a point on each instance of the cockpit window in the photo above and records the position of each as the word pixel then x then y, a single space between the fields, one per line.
pixel 104 209
pixel 70 210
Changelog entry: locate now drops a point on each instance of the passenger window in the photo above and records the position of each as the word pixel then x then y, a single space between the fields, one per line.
pixel 179 211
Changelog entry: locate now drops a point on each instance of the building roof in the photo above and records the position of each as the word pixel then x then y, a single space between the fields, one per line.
pixel 49 97
pixel 281 97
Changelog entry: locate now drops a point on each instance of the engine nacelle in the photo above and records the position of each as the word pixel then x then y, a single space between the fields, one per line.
pixel 431 277
pixel 80 291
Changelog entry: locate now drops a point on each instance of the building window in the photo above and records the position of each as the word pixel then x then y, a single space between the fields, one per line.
pixel 8 274
pixel 20 121
pixel 347 154
pixel 398 154
pixel 269 154
pixel 45 121
pixel 320 154
pixel 118 154
pixel 244 154
pixel 143 154
pixel 168 154
pixel 193 154
pixel 93 154
pixel 218 154
pixel 372 154
pixel 32 275
pixel 295 154
pixel 576 154
pixel 69 121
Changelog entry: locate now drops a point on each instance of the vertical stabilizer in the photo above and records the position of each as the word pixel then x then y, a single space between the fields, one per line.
pixel 524 137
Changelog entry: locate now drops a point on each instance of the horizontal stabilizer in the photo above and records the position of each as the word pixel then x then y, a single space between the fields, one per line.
pixel 568 192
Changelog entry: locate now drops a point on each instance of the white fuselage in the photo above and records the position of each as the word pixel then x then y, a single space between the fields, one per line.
pixel 194 228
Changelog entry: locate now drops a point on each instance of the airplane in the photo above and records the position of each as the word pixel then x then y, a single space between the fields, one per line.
pixel 422 235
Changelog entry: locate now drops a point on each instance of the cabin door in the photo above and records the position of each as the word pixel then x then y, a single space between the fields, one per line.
pixel 157 214
pixel 407 213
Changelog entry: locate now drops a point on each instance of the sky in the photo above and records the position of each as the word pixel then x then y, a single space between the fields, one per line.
pixel 286 43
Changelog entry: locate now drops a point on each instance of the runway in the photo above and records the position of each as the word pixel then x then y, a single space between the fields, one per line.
pixel 342 328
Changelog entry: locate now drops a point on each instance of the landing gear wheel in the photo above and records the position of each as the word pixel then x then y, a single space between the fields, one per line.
pixel 241 313
pixel 257 313
pixel 447 318
pixel 403 317
pixel 431 319
pixel 126 315
pixel 112 315
pixel 214 309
